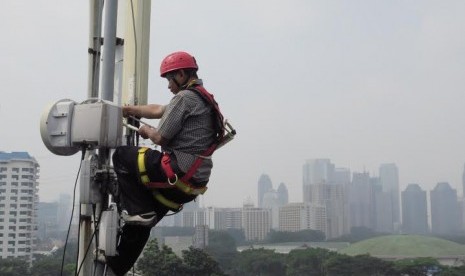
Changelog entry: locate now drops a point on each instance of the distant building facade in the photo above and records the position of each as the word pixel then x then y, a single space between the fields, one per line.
pixel 19 173
pixel 445 214
pixel 224 218
pixel 361 201
pixel 324 185
pixel 295 217
pixel 283 194
pixel 264 185
pixel 256 222
pixel 389 180
pixel 414 210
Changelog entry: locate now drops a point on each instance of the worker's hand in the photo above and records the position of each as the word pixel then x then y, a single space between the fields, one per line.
pixel 146 131
pixel 127 110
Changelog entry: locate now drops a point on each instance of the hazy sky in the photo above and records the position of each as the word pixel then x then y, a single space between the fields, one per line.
pixel 359 82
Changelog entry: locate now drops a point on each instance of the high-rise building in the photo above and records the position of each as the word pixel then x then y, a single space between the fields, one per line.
pixel 295 217
pixel 256 223
pixel 264 186
pixel 283 195
pixel 315 171
pixel 445 216
pixel 414 210
pixel 383 214
pixel 19 173
pixel 270 201
pixel 389 180
pixel 224 218
pixel 192 218
pixel 361 202
pixel 323 184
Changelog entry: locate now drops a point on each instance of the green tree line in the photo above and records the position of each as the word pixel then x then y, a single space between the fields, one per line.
pixel 222 258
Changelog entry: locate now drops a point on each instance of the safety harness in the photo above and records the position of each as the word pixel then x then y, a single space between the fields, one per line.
pixel 183 184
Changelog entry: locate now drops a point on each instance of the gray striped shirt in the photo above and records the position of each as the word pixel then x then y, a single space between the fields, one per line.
pixel 188 126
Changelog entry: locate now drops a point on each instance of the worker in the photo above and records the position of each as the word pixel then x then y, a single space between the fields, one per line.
pixel 151 183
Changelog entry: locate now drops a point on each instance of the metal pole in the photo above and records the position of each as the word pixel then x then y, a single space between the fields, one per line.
pixel 85 216
pixel 109 45
pixel 94 50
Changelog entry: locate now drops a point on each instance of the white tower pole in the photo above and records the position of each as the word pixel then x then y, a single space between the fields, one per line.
pixel 136 52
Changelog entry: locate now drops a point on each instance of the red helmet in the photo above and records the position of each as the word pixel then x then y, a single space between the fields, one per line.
pixel 176 61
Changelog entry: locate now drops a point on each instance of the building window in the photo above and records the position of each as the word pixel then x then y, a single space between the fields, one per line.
pixel 16 170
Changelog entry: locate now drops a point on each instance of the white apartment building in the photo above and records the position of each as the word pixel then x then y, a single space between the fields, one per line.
pixel 295 217
pixel 224 218
pixel 256 223
pixel 19 173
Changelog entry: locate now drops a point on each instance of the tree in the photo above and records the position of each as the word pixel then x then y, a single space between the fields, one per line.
pixel 417 267
pixel 307 261
pixel 237 234
pixel 263 262
pixel 156 261
pixel 452 271
pixel 14 267
pixel 222 247
pixel 363 265
pixel 198 263
pixel 51 264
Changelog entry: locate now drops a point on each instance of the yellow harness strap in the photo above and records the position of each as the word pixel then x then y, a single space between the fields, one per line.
pixel 145 179
pixel 141 163
pixel 168 203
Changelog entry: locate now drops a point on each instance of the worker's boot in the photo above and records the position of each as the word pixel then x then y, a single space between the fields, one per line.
pixel 146 219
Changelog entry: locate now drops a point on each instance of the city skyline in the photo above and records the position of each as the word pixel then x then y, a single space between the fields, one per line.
pixel 361 83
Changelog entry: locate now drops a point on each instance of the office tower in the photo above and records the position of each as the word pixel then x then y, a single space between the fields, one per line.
pixel 383 214
pixel 323 184
pixel 295 217
pixel 389 180
pixel 315 171
pixel 19 173
pixel 264 185
pixel 445 216
pixel 361 202
pixel 270 201
pixel 283 195
pixel 341 176
pixel 256 222
pixel 414 210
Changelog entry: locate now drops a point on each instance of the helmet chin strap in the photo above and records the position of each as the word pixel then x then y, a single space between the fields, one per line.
pixel 187 83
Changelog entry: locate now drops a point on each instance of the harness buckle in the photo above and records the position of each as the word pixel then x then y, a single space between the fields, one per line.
pixel 174 182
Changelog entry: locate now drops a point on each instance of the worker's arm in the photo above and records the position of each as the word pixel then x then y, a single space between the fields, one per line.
pixel 150 111
pixel 152 133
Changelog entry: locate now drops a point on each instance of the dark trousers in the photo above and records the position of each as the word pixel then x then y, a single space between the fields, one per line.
pixel 136 199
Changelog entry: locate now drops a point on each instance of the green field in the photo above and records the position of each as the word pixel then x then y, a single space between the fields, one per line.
pixel 405 245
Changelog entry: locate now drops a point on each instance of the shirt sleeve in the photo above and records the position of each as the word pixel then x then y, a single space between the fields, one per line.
pixel 175 113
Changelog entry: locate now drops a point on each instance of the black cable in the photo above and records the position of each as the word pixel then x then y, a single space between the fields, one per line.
pixel 72 211
pixel 87 251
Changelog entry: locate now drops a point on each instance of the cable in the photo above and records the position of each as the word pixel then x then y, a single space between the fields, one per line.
pixel 72 211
